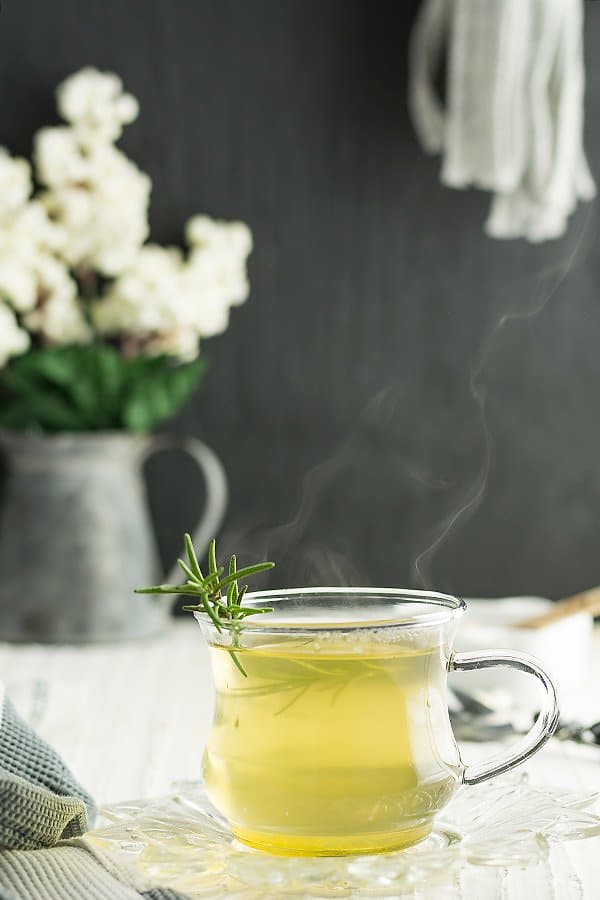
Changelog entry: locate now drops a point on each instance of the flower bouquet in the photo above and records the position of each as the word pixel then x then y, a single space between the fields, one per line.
pixel 99 329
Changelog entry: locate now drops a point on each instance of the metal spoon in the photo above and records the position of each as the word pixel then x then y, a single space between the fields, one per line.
pixel 473 720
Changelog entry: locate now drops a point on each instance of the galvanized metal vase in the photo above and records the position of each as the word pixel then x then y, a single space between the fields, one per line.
pixel 76 536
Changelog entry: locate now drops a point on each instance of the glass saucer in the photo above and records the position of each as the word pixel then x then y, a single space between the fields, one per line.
pixel 181 842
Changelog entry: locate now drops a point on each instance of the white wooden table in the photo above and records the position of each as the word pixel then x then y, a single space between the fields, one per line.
pixel 131 719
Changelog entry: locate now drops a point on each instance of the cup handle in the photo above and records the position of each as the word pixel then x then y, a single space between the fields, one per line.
pixel 542 729
pixel 216 489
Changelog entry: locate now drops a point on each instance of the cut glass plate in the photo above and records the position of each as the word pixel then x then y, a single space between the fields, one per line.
pixel 181 842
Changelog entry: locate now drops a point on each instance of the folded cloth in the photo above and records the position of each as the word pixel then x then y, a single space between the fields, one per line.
pixel 40 801
pixel 44 813
pixel 512 121
pixel 71 871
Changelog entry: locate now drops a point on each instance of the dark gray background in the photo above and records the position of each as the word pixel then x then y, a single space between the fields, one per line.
pixel 373 294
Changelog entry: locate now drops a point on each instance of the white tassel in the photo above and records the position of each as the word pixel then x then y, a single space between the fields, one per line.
pixel 425 53
pixel 514 118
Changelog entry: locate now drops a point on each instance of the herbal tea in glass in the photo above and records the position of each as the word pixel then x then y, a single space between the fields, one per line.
pixel 331 732
pixel 326 745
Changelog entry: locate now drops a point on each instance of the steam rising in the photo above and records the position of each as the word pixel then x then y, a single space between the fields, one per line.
pixel 310 559
pixel 548 283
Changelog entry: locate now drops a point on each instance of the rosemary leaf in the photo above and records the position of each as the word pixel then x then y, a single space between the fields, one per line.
pixel 187 571
pixel 231 598
pixel 212 557
pixel 213 577
pixel 243 573
pixel 232 590
pixel 187 588
pixel 191 555
pixel 235 660
pixel 224 611
pixel 254 611
pixel 210 612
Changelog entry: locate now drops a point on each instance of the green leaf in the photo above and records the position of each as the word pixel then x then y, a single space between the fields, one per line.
pixel 109 371
pixel 191 555
pixel 224 612
pixel 213 577
pixel 254 611
pixel 238 664
pixel 210 612
pixel 187 571
pixel 243 573
pixel 16 416
pixel 91 388
pixel 42 405
pixel 60 376
pixel 232 594
pixel 212 558
pixel 159 392
pixel 190 589
pixel 66 370
pixel 232 590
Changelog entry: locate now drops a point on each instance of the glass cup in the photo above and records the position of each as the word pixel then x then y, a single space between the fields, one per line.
pixel 331 732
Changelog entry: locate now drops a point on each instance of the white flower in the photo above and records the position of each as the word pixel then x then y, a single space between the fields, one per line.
pixel 18 284
pixel 208 304
pixel 215 277
pixel 105 217
pixel 94 103
pixel 33 228
pixel 72 206
pixel 60 321
pixel 146 300
pixel 97 196
pixel 230 237
pixel 59 157
pixel 15 183
pixel 211 315
pixel 25 239
pixel 218 271
pixel 58 317
pixel 13 340
pixel 168 303
pixel 182 343
pixel 122 194
pixel 91 218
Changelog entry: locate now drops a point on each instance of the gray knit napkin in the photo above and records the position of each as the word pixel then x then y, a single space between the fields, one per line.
pixel 43 815
pixel 40 801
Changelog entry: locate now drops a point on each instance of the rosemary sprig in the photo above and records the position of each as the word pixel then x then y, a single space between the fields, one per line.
pixel 224 611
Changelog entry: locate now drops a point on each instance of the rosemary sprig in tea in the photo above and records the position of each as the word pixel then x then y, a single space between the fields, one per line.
pixel 224 611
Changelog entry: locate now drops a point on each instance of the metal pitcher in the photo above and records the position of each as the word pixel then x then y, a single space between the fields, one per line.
pixel 76 535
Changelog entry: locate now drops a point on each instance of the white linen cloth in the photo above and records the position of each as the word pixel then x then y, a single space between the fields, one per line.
pixel 512 120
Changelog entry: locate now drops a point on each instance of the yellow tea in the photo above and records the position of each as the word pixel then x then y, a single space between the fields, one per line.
pixel 326 748
pixel 331 732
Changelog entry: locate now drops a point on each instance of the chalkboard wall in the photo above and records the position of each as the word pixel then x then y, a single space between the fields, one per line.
pixel 345 399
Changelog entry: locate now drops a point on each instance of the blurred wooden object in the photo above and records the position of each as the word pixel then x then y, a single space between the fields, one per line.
pixel 588 601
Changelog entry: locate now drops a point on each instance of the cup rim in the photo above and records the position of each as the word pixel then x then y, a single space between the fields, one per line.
pixel 444 608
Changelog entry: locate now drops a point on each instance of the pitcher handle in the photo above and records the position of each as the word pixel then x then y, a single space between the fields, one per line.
pixel 216 489
pixel 542 729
